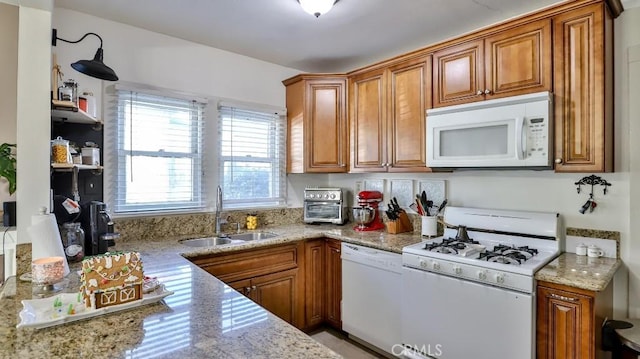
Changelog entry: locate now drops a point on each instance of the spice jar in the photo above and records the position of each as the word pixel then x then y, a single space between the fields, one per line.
pixel 72 237
pixel 60 151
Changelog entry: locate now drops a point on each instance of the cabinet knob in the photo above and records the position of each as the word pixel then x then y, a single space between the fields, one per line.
pixel 479 93
pixel 253 287
pixel 247 289
pixel 558 160
pixel 487 92
pixel 336 250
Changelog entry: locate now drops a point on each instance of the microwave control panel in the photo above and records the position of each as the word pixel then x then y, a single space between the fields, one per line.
pixel 537 137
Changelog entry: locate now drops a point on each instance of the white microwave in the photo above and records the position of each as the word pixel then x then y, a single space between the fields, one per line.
pixel 506 133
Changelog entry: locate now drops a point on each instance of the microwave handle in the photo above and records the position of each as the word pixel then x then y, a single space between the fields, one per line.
pixel 521 138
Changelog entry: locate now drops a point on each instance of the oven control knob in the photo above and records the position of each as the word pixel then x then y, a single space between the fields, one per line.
pixel 499 278
pixel 457 270
pixel 333 196
pixel 423 263
pixel 482 275
pixel 435 266
pixel 311 195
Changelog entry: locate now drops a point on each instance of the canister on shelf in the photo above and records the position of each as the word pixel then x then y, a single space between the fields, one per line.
pixel 60 151
pixel 90 103
pixel 73 85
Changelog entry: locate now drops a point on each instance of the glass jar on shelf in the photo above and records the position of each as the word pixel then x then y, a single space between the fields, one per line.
pixel 72 236
pixel 60 152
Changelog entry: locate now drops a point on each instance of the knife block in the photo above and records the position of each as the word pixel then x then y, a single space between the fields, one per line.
pixel 400 225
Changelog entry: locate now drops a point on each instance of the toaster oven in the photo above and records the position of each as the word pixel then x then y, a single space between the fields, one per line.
pixel 324 205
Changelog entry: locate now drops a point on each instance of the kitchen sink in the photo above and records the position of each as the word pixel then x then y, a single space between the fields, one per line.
pixel 206 242
pixel 254 236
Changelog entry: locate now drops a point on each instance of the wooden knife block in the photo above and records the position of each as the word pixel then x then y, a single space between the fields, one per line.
pixel 400 225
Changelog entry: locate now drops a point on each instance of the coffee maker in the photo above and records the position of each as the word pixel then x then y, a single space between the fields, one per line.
pixel 367 214
pixel 98 227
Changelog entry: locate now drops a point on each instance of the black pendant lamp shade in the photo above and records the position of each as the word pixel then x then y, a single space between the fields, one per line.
pixel 94 68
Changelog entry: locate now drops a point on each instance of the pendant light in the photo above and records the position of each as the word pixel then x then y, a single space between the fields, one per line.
pixel 94 68
pixel 317 7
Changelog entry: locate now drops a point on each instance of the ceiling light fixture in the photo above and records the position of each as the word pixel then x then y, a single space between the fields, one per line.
pixel 317 7
pixel 94 68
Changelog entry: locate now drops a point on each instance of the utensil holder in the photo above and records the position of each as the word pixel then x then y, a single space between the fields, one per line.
pixel 400 225
pixel 429 226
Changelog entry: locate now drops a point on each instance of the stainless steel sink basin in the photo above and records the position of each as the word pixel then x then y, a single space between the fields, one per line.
pixel 206 242
pixel 253 236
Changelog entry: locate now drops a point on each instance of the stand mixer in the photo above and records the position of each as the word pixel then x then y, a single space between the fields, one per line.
pixel 367 215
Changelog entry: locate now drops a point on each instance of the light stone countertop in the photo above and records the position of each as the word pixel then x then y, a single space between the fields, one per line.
pixel 205 318
pixel 580 271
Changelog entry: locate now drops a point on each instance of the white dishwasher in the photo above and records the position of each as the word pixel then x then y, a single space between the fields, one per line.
pixel 371 295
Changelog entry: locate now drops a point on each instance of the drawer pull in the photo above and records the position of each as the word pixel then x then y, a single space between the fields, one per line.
pixel 562 297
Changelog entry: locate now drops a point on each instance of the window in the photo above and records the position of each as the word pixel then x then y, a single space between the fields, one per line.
pixel 157 157
pixel 251 158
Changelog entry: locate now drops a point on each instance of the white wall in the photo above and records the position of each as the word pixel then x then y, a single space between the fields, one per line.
pixel 630 56
pixel 149 58
pixel 8 83
pixel 33 110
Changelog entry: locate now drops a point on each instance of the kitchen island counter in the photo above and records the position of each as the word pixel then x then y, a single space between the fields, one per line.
pixel 580 271
pixel 203 318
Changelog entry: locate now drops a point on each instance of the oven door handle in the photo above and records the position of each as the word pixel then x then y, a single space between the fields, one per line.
pixel 324 203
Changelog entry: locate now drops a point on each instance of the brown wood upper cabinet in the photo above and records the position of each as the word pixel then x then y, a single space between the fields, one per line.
pixel 317 124
pixel 512 62
pixel 387 117
pixel 583 94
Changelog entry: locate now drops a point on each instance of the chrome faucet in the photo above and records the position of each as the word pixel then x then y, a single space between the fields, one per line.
pixel 219 220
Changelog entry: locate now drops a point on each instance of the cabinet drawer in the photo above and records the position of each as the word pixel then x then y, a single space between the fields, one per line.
pixel 251 263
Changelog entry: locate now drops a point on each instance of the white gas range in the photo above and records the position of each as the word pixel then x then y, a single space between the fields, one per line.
pixel 461 292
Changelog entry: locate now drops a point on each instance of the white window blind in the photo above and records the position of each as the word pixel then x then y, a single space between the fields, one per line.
pixel 158 164
pixel 252 158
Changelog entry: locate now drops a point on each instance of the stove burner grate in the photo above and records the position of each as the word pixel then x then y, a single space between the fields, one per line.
pixel 508 254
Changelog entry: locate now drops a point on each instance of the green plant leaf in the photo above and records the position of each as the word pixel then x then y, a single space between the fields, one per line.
pixel 8 165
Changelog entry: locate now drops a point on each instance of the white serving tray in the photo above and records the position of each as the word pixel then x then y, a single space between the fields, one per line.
pixel 40 313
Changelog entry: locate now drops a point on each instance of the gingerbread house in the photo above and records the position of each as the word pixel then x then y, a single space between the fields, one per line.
pixel 111 279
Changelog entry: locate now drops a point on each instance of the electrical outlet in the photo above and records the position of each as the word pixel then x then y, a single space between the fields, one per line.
pixel 358 187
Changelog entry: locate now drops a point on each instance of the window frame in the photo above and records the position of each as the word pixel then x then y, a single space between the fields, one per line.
pixel 277 158
pixel 116 155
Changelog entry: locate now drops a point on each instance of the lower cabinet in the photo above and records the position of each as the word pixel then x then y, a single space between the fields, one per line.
pixel 323 283
pixel 333 283
pixel 268 276
pixel 299 282
pixel 569 321
pixel 274 292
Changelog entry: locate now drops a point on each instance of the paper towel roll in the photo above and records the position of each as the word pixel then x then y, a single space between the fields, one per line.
pixel 45 238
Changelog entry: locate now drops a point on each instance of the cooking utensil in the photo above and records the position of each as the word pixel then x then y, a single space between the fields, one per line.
pixel 442 205
pixel 425 203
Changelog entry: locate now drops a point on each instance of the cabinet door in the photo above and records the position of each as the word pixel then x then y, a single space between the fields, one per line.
pixel 314 282
pixel 277 293
pixel 326 126
pixel 334 283
pixel 564 325
pixel 583 94
pixel 368 115
pixel 458 74
pixel 518 61
pixel 409 91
